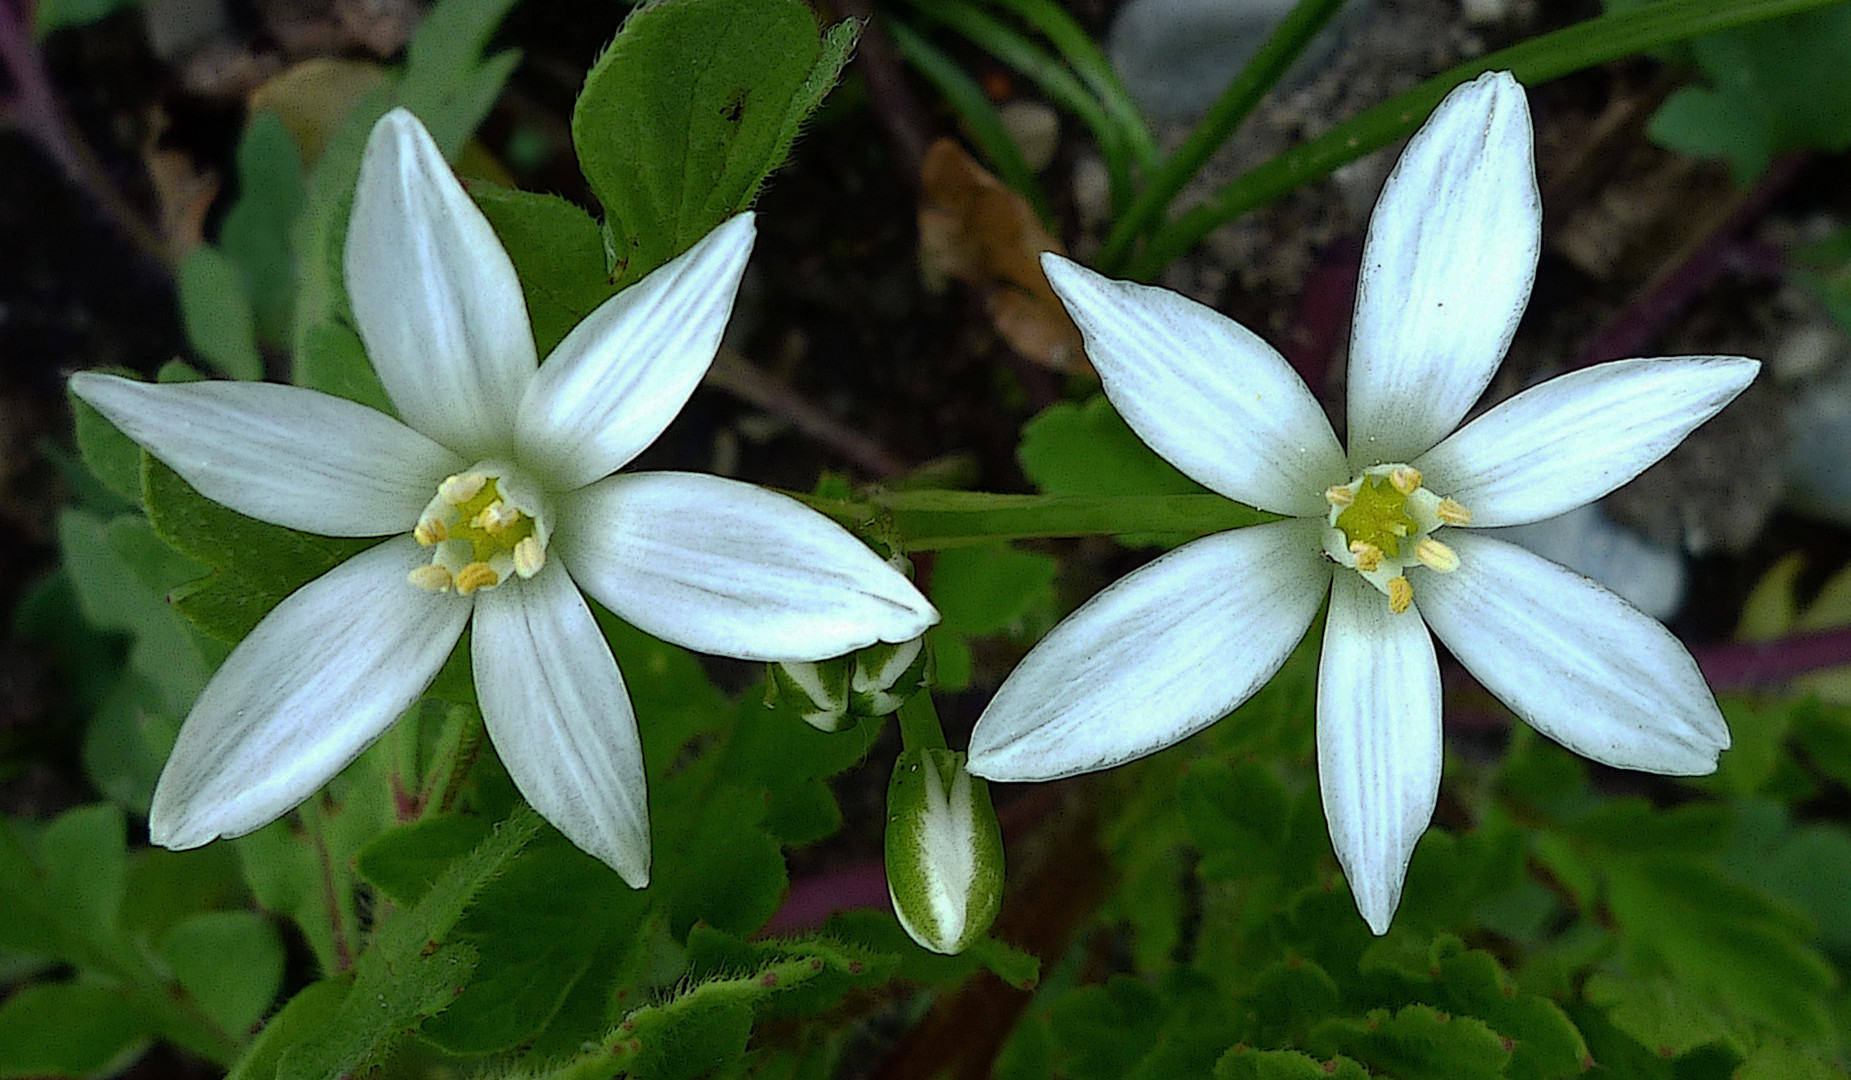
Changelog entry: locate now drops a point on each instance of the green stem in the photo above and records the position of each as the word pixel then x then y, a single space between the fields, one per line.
pixel 985 124
pixel 1089 62
pixel 933 520
pixel 1268 65
pixel 919 726
pixel 1060 84
pixel 1596 41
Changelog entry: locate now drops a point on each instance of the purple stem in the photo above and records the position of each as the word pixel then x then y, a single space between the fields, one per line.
pixel 33 107
pixel 1634 327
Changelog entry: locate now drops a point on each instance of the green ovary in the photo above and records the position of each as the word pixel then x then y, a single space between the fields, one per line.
pixel 1378 516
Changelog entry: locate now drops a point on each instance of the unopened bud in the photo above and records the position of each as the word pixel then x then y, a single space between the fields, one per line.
pixel 886 675
pixel 818 691
pixel 944 851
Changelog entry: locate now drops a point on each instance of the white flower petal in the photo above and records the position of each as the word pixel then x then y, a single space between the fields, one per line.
pixel 1573 660
pixel 1157 656
pixel 1204 392
pixel 559 716
pixel 1379 746
pixel 1447 268
pixel 281 454
pixel 319 679
pixel 434 295
pixel 727 568
pixel 1568 441
pixel 622 374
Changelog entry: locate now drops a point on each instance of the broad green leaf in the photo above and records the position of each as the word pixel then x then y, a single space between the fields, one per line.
pixel 1088 449
pixel 725 869
pixel 1129 1029
pixel 1246 1063
pixel 1418 1042
pixel 254 565
pixel 85 853
pixel 1545 1044
pixel 256 233
pixel 1288 999
pixel 1724 941
pixel 165 888
pixel 314 1007
pixel 982 590
pixel 1808 866
pixel 534 943
pixel 303 865
pixel 231 962
pixel 72 1029
pixel 128 739
pixel 1661 1014
pixel 1774 87
pixel 688 110
pixel 404 976
pixel 110 455
pixel 216 312
pixel 558 253
pixel 1777 1061
pixel 112 595
pixel 330 358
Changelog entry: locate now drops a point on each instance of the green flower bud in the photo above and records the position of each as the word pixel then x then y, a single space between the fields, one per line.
pixel 886 675
pixel 817 691
pixel 944 851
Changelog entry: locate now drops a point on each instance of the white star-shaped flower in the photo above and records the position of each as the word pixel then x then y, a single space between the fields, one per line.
pixel 1385 532
pixel 497 493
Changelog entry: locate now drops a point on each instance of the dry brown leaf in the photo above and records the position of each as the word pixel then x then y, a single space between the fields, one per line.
pixel 973 228
pixel 313 98
pixel 182 192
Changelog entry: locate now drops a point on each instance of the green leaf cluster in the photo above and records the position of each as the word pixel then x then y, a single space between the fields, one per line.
pixel 129 948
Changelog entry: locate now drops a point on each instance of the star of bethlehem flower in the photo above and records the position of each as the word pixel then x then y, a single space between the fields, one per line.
pixel 1388 531
pixel 497 495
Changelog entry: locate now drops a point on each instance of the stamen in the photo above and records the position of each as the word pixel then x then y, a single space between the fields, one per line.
pixel 430 577
pixel 496 516
pixel 1339 495
pixel 1452 513
pixel 1436 556
pixel 1406 479
pixel 459 489
pixel 529 556
pixel 430 531
pixel 1400 595
pixel 477 575
pixel 1368 556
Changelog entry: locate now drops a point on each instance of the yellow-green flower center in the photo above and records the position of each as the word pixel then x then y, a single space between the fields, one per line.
pixel 482 526
pixel 1377 515
pixel 1382 523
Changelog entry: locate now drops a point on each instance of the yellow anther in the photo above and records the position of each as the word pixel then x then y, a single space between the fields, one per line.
pixel 430 531
pixel 529 556
pixel 1406 479
pixel 1368 556
pixel 496 516
pixel 430 577
pixel 1436 556
pixel 1452 513
pixel 477 575
pixel 1400 595
pixel 1339 495
pixel 459 489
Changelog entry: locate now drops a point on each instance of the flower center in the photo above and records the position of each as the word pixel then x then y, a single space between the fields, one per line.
pixel 481 526
pixel 1382 523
